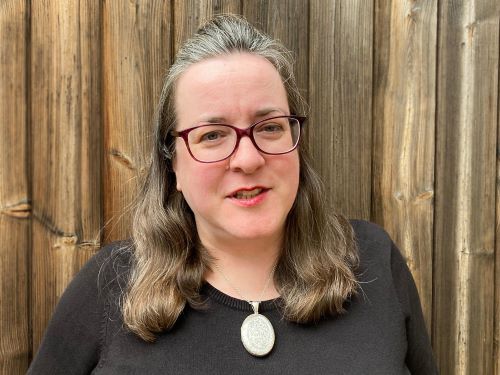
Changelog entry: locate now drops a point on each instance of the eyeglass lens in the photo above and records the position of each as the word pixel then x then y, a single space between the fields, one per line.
pixel 216 142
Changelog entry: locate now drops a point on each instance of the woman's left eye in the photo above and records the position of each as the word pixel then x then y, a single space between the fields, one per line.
pixel 271 128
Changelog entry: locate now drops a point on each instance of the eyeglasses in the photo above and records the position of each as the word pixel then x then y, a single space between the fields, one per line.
pixel 215 142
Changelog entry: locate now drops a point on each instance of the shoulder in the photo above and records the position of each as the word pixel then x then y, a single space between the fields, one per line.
pixel 367 231
pixel 372 240
pixel 380 258
pixel 112 262
pixel 104 273
pixel 377 252
pixel 75 336
pixel 117 251
pixel 109 258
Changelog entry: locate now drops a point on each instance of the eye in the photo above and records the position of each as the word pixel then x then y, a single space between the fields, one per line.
pixel 271 128
pixel 211 136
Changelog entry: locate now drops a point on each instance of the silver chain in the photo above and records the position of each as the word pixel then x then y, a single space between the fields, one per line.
pixel 238 291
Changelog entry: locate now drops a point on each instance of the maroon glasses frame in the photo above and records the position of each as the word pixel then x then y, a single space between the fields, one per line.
pixel 248 132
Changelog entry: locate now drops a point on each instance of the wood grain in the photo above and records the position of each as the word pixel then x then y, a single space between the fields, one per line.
pixel 66 133
pixel 467 100
pixel 340 97
pixel 286 21
pixel 404 131
pixel 190 14
pixel 15 210
pixel 496 312
pixel 404 126
pixel 136 54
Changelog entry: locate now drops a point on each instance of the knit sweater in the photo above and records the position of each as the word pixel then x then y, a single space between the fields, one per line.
pixel 381 332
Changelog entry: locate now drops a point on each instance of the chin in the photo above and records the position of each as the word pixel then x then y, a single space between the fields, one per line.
pixel 259 230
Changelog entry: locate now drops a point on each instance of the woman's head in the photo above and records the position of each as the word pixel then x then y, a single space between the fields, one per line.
pixel 249 193
pixel 225 40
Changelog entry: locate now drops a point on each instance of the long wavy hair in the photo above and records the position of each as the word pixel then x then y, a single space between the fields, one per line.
pixel 315 270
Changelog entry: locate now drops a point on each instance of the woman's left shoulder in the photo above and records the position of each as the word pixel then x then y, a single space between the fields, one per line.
pixel 368 232
pixel 375 246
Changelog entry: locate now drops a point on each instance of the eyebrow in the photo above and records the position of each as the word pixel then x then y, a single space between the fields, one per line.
pixel 259 113
pixel 267 111
pixel 214 120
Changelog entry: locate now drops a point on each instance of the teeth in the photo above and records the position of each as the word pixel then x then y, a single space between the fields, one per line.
pixel 247 194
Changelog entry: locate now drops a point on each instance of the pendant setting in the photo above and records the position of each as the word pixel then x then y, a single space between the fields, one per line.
pixel 257 333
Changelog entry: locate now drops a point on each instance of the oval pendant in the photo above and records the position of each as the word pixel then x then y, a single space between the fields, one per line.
pixel 257 335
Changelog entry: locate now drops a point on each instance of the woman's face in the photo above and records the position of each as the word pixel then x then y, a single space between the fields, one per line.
pixel 237 89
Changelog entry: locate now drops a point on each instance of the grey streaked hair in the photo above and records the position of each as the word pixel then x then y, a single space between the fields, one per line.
pixel 315 272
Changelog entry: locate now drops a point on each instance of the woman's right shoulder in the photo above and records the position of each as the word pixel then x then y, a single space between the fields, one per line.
pixel 121 250
pixel 110 266
pixel 76 334
pixel 106 272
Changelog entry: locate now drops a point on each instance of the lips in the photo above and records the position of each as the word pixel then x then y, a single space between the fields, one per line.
pixel 248 193
pixel 244 194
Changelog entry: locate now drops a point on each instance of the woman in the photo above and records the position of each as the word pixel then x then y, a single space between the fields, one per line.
pixel 235 265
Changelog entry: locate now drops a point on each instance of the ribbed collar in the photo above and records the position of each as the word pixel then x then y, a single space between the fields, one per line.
pixel 217 296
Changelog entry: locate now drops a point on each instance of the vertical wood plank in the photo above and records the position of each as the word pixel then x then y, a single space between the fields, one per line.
pixel 340 97
pixel 465 185
pixel 286 21
pixel 137 50
pixel 404 131
pixel 496 312
pixel 14 190
pixel 66 134
pixel 190 14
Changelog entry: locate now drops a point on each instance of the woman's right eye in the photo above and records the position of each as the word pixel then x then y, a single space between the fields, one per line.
pixel 211 136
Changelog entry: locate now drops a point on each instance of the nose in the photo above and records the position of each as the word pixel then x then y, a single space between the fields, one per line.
pixel 246 157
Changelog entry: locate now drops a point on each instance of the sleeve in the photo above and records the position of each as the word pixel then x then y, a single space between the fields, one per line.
pixel 419 356
pixel 74 336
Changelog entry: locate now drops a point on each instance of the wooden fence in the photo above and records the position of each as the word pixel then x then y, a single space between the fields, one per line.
pixel 404 125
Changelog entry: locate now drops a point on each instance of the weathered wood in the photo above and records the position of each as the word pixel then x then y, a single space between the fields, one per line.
pixel 53 140
pixel 340 97
pixel 14 190
pixel 286 21
pixel 404 129
pixel 465 185
pixel 65 138
pixel 496 312
pixel 190 14
pixel 137 51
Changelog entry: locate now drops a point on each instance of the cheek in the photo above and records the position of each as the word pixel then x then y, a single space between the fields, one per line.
pixel 295 177
pixel 293 168
pixel 288 171
pixel 198 183
pixel 186 169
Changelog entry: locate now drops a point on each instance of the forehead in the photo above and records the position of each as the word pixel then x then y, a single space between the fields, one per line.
pixel 233 84
pixel 231 64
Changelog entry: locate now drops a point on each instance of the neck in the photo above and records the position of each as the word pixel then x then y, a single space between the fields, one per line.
pixel 246 265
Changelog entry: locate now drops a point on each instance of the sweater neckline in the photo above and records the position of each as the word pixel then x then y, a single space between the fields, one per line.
pixel 217 296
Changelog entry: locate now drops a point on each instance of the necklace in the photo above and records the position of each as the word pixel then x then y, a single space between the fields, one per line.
pixel 257 332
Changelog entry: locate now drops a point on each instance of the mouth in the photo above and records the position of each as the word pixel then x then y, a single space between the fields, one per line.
pixel 247 194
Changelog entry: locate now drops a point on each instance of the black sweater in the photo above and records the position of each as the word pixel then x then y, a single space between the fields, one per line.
pixel 382 332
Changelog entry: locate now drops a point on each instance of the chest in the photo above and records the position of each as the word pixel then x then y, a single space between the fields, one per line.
pixel 369 338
